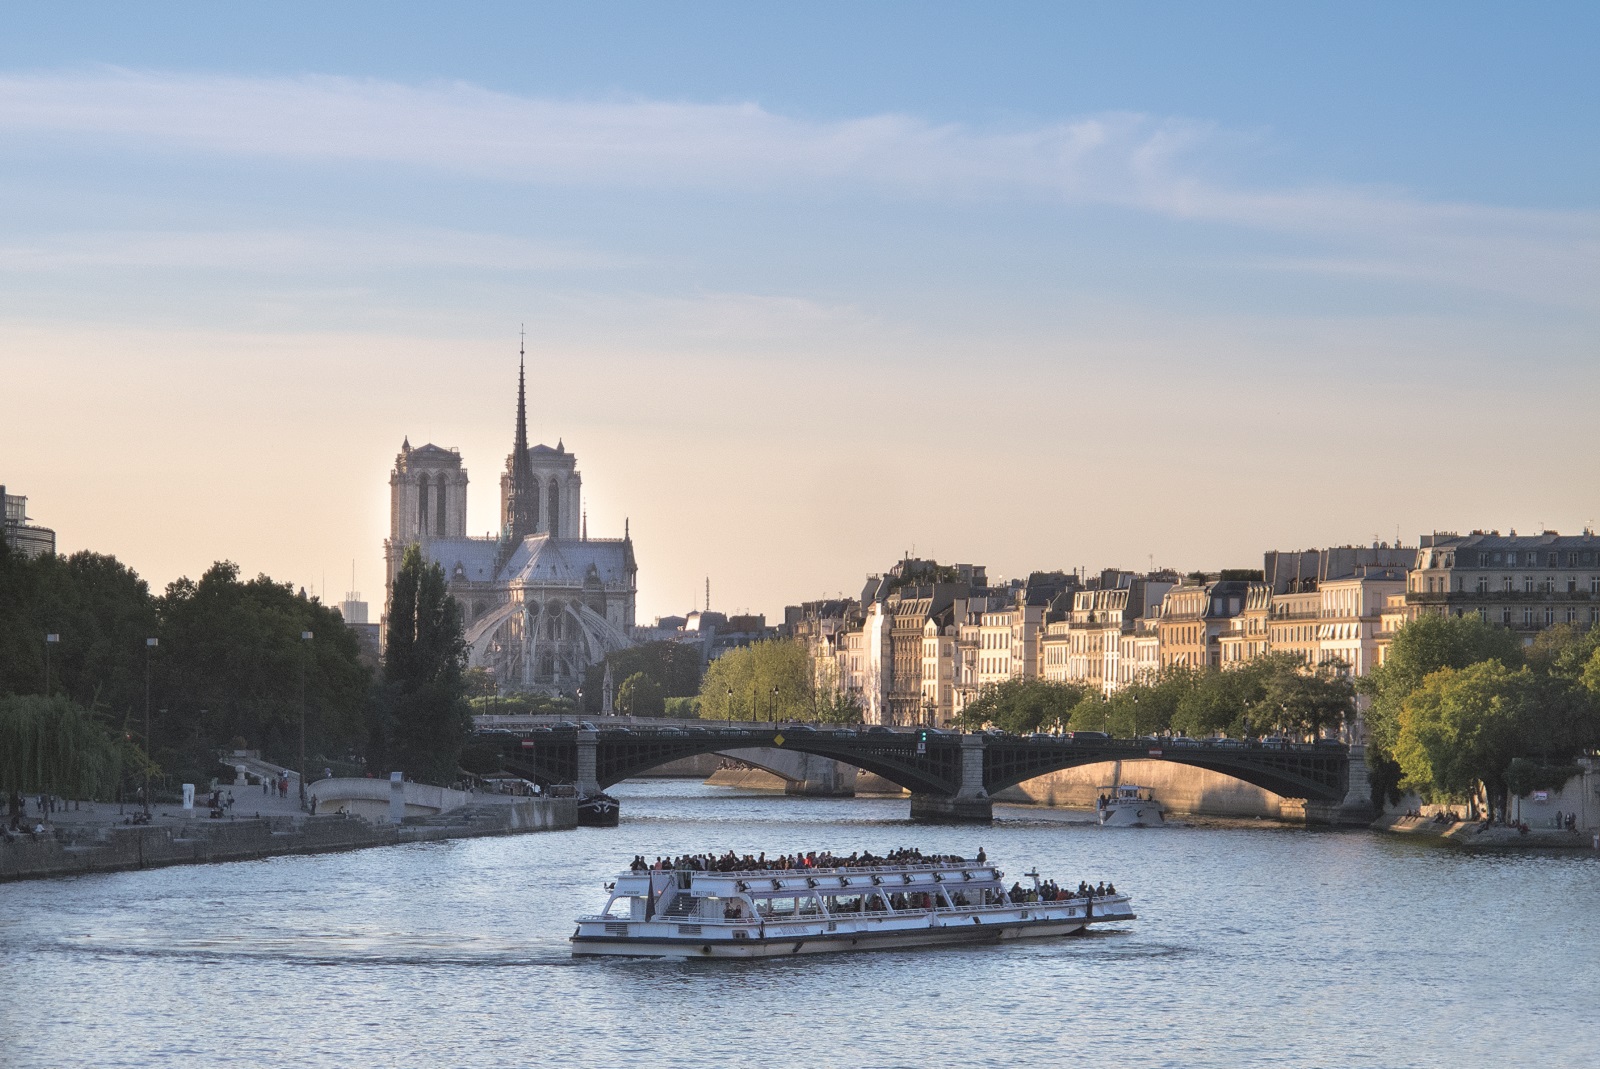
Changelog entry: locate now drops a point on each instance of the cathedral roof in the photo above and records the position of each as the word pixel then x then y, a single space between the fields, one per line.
pixel 544 559
pixel 476 556
pixel 539 559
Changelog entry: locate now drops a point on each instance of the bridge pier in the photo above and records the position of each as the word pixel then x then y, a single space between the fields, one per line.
pixel 587 780
pixel 970 803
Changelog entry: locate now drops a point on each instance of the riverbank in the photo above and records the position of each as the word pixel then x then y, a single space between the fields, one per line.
pixel 73 849
pixel 1494 837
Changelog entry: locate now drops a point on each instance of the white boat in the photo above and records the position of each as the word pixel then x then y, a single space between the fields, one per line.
pixel 762 913
pixel 1127 805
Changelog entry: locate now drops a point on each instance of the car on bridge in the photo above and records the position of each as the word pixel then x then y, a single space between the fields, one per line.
pixel 1088 736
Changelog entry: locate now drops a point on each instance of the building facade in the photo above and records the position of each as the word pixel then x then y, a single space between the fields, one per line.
pixel 1524 582
pixel 23 537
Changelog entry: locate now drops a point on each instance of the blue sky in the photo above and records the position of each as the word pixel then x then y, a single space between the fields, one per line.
pixel 1031 285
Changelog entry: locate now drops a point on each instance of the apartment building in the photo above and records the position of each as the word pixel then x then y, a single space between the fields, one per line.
pixel 1524 582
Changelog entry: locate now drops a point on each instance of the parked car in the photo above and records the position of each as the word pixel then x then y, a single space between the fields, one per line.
pixel 1183 740
pixel 1088 736
pixel 1228 744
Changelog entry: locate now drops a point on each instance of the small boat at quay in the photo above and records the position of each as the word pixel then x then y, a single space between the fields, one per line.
pixel 1127 805
pixel 703 908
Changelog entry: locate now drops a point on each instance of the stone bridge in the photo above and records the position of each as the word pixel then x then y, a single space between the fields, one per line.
pixel 949 776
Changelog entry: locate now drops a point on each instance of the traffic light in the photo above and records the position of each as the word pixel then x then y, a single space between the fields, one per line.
pixel 922 736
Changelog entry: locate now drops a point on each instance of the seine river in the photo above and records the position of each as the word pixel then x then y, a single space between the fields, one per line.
pixel 1256 945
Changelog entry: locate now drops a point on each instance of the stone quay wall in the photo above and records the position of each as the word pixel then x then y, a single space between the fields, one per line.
pixel 119 848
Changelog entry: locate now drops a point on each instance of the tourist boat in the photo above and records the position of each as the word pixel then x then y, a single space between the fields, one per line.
pixel 763 913
pixel 1126 805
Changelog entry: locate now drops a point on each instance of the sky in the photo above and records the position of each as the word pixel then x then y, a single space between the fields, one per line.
pixel 806 287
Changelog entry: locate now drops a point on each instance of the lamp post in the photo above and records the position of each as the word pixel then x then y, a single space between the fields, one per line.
pixel 149 646
pixel 49 640
pixel 771 704
pixel 305 636
pixel 730 704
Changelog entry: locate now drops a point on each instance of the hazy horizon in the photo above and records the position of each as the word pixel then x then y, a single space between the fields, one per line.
pixel 1029 286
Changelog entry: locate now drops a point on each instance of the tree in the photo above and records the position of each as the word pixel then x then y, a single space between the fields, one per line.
pixel 52 744
pixel 771 678
pixel 640 696
pixel 1421 647
pixel 1023 705
pixel 674 667
pixel 230 666
pixel 103 613
pixel 1464 726
pixel 422 715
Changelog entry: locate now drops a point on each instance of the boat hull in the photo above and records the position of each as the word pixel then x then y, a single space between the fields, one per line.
pixel 830 942
pixel 1144 815
pixel 598 811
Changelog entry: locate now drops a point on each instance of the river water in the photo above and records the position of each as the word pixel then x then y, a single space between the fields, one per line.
pixel 1256 945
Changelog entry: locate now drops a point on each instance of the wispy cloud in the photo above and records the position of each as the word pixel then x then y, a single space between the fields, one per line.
pixel 297 250
pixel 1133 161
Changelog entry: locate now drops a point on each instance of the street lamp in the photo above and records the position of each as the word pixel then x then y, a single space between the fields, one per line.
pixel 305 636
pixel 730 704
pixel 149 646
pixel 771 703
pixel 49 640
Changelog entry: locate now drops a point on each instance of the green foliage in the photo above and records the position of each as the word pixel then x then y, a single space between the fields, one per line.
pixel 1466 725
pixel 1524 776
pixel 771 678
pixel 519 703
pixel 1024 705
pixel 674 667
pixel 639 695
pixel 231 663
pixel 839 707
pixel 1421 647
pixel 227 665
pixel 52 744
pixel 422 717
pixel 1384 775
pixel 101 609
pixel 682 708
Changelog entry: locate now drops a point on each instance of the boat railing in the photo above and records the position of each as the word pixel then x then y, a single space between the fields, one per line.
pixel 779 874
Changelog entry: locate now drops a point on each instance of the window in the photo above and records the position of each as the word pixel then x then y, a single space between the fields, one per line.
pixel 1527 617
pixel 1508 585
pixel 1549 616
pixel 1527 584
pixel 1505 617
pixel 1483 584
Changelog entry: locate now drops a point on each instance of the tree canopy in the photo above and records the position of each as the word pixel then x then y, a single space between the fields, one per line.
pixel 765 679
pixel 422 718
pixel 673 667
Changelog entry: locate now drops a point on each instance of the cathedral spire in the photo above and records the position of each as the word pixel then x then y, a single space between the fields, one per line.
pixel 522 501
pixel 522 399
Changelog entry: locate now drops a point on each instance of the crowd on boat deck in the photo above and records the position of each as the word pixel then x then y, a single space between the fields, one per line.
pixel 732 862
pixel 1050 891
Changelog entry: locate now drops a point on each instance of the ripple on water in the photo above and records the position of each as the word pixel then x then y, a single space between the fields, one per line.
pixel 1256 946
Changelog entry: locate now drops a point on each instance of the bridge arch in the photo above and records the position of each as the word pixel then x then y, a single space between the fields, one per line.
pixel 1286 773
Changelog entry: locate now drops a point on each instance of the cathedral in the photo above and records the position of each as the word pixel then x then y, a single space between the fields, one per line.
pixel 541 602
